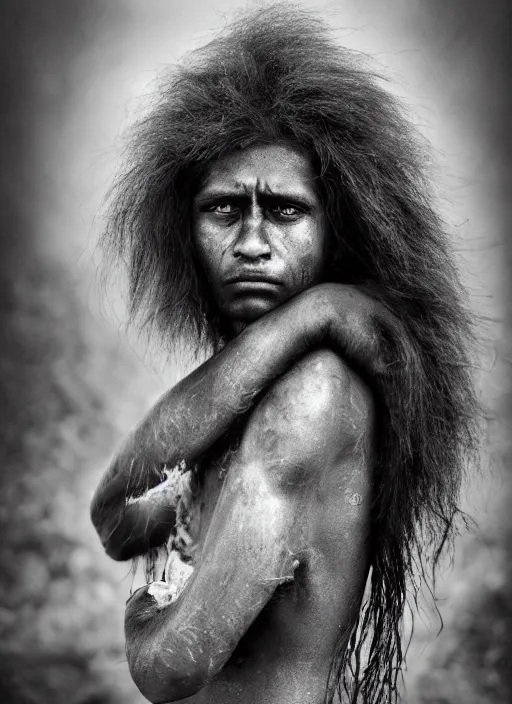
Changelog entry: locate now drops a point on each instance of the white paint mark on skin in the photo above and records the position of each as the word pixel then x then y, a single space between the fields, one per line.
pixel 177 480
pixel 161 593
pixel 285 578
pixel 353 498
pixel 177 574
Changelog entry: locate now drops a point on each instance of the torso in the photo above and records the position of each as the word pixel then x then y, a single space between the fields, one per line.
pixel 285 656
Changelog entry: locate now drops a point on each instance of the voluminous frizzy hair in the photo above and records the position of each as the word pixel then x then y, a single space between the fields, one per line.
pixel 275 76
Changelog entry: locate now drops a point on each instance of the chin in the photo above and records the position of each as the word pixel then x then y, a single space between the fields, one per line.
pixel 246 312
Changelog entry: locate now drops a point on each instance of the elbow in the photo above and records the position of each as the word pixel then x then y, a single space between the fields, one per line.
pixel 162 682
pixel 116 545
pixel 109 514
pixel 167 690
pixel 98 519
pixel 119 553
pixel 165 664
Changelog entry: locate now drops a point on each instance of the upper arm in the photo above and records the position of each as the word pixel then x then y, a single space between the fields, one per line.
pixel 306 443
pixel 313 421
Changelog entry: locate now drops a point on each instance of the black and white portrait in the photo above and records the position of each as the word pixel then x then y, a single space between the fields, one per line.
pixel 255 352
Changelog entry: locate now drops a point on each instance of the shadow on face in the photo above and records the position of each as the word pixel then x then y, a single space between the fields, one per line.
pixel 259 229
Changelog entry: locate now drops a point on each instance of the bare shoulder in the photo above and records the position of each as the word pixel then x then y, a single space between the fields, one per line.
pixel 317 413
pixel 325 382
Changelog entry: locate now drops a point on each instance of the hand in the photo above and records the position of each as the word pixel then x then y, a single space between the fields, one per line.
pixel 358 325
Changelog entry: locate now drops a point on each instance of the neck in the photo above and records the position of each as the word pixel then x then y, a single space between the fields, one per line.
pixel 230 329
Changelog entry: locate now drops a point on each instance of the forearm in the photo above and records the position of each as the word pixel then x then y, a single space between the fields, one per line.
pixel 174 649
pixel 163 672
pixel 130 527
pixel 261 529
pixel 189 418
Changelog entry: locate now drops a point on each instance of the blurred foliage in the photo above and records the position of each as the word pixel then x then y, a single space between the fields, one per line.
pixel 473 663
pixel 61 605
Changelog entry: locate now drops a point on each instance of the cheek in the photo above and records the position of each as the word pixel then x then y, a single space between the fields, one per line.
pixel 209 250
pixel 309 259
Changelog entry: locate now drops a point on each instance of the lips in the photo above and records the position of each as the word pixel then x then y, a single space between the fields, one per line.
pixel 253 284
pixel 253 277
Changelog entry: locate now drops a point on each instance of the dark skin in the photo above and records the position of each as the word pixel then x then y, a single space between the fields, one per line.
pixel 282 549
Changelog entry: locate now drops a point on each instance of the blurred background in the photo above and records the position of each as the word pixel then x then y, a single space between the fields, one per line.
pixel 74 74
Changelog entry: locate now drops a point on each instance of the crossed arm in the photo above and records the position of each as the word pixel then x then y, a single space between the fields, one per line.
pixel 196 412
pixel 260 517
pixel 306 442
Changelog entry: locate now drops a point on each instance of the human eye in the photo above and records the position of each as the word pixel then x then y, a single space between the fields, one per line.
pixel 224 208
pixel 286 211
pixel 289 211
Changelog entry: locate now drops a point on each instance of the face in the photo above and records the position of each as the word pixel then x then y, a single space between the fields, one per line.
pixel 259 229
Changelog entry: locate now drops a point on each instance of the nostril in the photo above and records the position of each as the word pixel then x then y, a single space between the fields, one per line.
pixel 252 244
pixel 246 255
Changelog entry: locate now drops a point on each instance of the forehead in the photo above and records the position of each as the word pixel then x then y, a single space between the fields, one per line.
pixel 276 168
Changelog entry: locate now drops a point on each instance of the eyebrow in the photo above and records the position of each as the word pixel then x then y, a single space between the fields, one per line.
pixel 244 196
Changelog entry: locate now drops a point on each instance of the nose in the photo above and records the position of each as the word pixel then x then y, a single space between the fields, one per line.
pixel 252 242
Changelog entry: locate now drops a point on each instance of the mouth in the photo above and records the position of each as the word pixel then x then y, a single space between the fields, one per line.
pixel 250 294
pixel 253 278
pixel 251 284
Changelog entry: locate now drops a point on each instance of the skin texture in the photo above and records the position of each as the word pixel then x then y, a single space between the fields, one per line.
pixel 259 230
pixel 194 414
pixel 388 302
pixel 287 512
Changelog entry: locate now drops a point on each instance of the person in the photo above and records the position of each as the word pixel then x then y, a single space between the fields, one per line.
pixel 274 211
